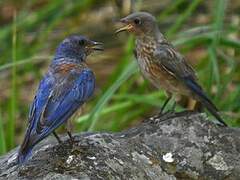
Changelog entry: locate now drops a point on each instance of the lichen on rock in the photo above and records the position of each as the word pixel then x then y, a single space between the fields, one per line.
pixel 173 146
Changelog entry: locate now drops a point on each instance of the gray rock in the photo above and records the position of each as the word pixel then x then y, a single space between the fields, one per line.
pixel 174 146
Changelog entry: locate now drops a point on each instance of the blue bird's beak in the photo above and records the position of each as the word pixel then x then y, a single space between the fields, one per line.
pixel 97 46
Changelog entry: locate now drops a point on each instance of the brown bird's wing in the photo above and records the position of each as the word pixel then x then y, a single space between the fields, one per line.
pixel 173 62
pixel 166 57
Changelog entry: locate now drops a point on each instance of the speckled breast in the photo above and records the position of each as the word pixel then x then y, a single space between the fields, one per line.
pixel 152 71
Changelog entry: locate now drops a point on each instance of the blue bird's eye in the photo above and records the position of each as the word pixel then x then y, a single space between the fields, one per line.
pixel 81 42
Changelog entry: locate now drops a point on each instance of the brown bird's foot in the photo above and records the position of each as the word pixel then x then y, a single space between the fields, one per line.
pixel 57 137
pixel 162 117
pixel 164 105
pixel 171 111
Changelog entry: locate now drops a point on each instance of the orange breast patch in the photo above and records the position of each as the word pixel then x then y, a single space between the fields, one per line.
pixel 66 67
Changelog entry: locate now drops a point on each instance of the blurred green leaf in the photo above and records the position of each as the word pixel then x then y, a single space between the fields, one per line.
pixel 183 17
pixel 13 103
pixel 128 71
pixel 2 137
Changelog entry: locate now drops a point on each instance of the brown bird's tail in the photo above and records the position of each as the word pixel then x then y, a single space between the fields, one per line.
pixel 212 109
pixel 200 95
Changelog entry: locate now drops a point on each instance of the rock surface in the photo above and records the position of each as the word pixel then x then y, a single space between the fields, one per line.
pixel 174 146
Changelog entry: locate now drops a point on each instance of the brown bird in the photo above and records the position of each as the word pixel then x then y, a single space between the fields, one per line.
pixel 161 64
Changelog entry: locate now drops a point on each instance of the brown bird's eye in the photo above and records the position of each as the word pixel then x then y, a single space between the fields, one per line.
pixel 81 42
pixel 137 21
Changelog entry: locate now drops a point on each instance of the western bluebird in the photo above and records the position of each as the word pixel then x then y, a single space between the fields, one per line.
pixel 161 64
pixel 67 85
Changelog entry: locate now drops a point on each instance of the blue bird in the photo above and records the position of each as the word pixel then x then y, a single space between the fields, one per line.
pixel 67 85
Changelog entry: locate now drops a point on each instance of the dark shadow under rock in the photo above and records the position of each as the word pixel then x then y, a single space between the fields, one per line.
pixel 185 146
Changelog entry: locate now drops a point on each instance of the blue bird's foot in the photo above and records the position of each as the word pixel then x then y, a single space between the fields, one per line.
pixel 57 137
pixel 72 140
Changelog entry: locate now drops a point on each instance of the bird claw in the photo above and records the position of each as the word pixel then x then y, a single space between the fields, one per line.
pixel 162 117
pixel 72 139
pixel 161 113
pixel 57 137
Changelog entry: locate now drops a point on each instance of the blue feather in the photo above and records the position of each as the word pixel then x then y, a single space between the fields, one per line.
pixel 66 86
pixel 54 105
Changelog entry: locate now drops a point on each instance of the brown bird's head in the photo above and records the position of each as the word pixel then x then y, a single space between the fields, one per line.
pixel 139 23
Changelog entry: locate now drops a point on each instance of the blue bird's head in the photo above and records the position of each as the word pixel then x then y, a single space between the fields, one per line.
pixel 77 47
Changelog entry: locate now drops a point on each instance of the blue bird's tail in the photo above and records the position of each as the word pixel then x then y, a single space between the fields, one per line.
pixel 197 90
pixel 23 156
pixel 25 151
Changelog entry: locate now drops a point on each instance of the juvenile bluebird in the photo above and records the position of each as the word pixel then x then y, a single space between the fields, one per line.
pixel 67 85
pixel 161 64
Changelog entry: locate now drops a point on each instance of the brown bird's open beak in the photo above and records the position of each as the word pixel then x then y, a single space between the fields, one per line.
pixel 127 26
pixel 97 46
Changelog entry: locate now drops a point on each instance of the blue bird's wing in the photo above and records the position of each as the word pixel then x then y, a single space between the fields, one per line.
pixel 58 97
pixel 65 99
